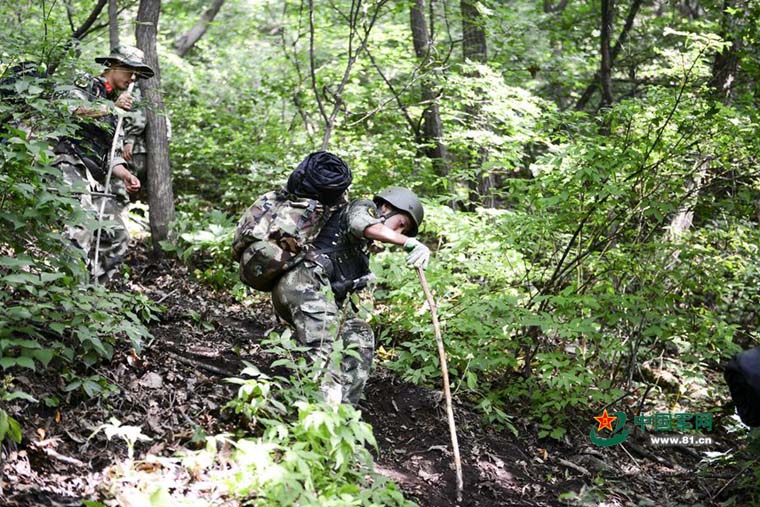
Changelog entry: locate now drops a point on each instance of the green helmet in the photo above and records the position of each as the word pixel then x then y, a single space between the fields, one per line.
pixel 404 200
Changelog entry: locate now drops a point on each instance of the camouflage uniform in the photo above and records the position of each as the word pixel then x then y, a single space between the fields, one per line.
pixel 135 122
pixel 72 159
pixel 134 134
pixel 305 298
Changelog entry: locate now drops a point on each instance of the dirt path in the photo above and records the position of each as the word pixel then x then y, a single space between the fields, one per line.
pixel 175 392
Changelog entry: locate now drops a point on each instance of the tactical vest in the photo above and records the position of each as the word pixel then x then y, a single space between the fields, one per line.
pixel 93 142
pixel 344 258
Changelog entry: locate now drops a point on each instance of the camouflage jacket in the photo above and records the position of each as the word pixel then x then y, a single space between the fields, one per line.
pixel 135 122
pixel 95 136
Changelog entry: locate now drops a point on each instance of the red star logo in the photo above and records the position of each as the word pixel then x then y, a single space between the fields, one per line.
pixel 605 421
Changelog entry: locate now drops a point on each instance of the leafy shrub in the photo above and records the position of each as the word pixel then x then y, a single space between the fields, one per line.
pixel 47 303
pixel 302 451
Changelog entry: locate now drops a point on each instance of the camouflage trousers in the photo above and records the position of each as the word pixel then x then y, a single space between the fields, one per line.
pixel 303 298
pixel 114 237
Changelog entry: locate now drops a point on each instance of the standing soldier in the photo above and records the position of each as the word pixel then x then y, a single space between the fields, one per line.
pixel 84 162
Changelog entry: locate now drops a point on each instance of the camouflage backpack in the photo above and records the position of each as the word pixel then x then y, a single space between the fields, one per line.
pixel 274 234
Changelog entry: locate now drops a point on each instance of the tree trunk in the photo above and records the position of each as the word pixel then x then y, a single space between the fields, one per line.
pixel 113 23
pixel 475 50
pixel 186 41
pixel 589 92
pixel 726 63
pixel 474 35
pixel 605 70
pixel 432 126
pixel 160 194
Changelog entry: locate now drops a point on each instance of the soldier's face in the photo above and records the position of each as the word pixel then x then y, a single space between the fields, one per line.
pixel 120 77
pixel 400 222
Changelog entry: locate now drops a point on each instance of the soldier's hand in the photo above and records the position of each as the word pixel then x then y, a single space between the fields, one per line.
pixel 131 181
pixel 126 152
pixel 124 101
pixel 419 254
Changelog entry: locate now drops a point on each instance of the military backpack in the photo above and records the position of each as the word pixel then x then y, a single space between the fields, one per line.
pixel 274 234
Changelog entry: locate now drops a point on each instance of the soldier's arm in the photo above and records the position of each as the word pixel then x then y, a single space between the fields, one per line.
pixel 92 112
pixel 379 232
pixel 364 222
pixel 104 108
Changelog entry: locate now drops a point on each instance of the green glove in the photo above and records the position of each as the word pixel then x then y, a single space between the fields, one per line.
pixel 419 254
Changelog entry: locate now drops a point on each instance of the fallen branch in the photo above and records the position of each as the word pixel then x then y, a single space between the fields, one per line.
pixel 200 364
pixel 570 464
pixel 45 446
pixel 649 455
pixel 752 463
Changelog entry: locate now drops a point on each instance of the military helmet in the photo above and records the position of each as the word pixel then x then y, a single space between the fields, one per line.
pixel 127 56
pixel 404 200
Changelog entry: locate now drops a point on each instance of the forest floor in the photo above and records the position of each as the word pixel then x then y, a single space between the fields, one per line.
pixel 176 388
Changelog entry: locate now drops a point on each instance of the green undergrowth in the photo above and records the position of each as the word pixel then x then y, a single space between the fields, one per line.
pixel 299 450
pixel 290 448
pixel 53 319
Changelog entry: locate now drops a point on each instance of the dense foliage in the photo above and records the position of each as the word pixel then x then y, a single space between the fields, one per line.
pixel 613 235
pixel 51 315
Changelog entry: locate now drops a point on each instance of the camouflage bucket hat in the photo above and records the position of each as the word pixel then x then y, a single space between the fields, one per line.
pixel 127 56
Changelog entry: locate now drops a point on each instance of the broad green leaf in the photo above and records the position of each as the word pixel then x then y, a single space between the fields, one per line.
pixel 19 395
pixel 26 362
pixel 44 356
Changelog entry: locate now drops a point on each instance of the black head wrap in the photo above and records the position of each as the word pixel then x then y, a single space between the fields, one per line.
pixel 322 176
pixel 742 375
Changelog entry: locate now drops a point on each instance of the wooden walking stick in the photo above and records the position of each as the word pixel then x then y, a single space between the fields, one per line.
pixel 114 143
pixel 446 388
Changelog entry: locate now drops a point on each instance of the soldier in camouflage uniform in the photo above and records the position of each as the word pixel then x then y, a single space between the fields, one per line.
pixel 314 295
pixel 83 161
pixel 134 150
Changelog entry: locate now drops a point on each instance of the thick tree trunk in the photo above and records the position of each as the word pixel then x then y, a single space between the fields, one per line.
pixel 605 70
pixel 186 41
pixel 113 23
pixel 473 33
pixel 682 220
pixel 474 49
pixel 726 63
pixel 160 193
pixel 432 126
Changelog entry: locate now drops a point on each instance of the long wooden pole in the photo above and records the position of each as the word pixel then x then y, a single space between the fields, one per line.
pixel 446 388
pixel 111 156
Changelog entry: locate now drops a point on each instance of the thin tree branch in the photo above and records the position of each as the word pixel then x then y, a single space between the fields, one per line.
pixel 312 63
pixel 396 96
pixel 82 30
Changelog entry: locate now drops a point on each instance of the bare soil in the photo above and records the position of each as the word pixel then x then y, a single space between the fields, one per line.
pixel 175 389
